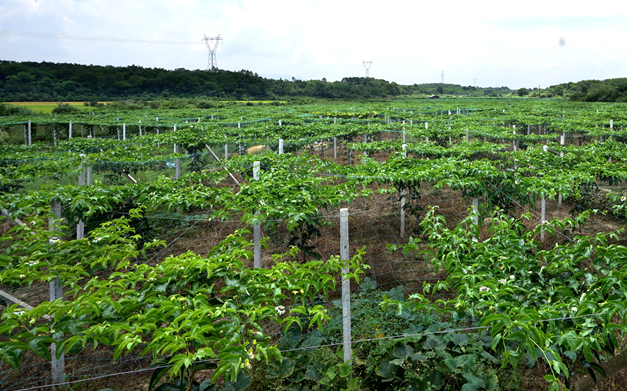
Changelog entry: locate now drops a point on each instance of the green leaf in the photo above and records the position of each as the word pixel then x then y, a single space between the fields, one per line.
pixel 40 345
pixel 386 370
pixel 170 387
pixel 11 357
pixel 207 386
pixel 282 370
pixel 345 369
pixel 432 343
pixel 495 341
pixel 240 384
pixel 452 363
pixel 156 376
pixel 402 351
pixel 570 354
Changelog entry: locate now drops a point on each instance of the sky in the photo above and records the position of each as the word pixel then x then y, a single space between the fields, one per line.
pixel 531 43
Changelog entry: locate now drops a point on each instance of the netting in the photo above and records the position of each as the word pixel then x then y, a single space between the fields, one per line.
pixel 375 226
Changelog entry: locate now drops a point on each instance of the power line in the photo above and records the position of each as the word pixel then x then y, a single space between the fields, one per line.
pixel 30 34
pixel 235 48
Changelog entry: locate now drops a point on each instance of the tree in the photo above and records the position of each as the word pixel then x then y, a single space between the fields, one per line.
pixel 522 91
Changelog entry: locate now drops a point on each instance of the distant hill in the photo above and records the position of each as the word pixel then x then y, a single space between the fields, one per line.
pixel 610 90
pixel 46 81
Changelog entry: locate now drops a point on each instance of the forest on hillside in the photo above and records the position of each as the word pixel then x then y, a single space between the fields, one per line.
pixel 610 90
pixel 46 81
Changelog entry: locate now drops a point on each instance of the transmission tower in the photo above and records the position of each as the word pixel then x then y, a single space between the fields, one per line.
pixel 442 80
pixel 475 80
pixel 212 46
pixel 367 65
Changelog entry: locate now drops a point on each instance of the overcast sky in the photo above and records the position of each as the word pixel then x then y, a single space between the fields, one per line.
pixel 500 43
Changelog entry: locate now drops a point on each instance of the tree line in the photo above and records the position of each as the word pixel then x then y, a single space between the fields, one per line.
pixel 46 81
pixel 610 90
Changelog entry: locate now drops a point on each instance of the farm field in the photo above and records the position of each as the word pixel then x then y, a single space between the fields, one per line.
pixel 46 107
pixel 207 249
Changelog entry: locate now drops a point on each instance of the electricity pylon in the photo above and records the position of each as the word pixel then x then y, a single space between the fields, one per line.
pixel 367 65
pixel 212 46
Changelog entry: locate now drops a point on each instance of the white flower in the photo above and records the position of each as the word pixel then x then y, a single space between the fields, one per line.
pixel 503 281
pixel 262 202
pixel 623 199
pixel 97 240
pixel 280 310
pixel 19 313
pixel 574 309
pixel 512 277
pixel 32 263
pixel 484 289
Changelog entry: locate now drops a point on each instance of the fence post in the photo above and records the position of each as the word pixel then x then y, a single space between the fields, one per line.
pixel 56 292
pixel 80 228
pixel 256 226
pixel 562 141
pixel 542 217
pixel 70 130
pixel 475 210
pixel 334 147
pixel 89 183
pixel 280 146
pixel 177 163
pixel 403 194
pixel 25 136
pixel 123 131
pixel 30 138
pixel 346 287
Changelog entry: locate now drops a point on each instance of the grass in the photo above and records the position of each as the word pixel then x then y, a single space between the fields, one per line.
pixel 46 107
